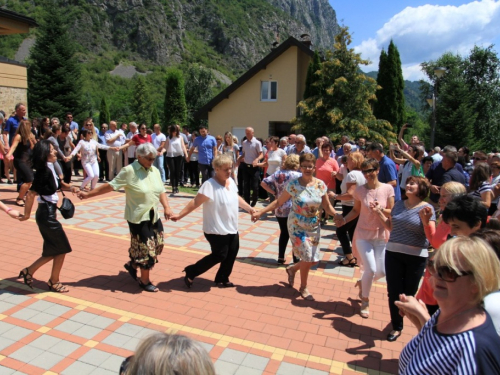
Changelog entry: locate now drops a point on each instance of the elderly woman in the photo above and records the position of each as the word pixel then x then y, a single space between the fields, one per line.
pixel 460 337
pixel 406 252
pixel 46 183
pixel 326 169
pixel 370 236
pixel 345 233
pixel 220 199
pixel 308 195
pixel 275 184
pixel 143 191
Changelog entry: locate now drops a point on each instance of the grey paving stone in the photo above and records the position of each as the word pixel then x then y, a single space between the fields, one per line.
pixel 254 238
pixel 45 342
pixel 208 347
pixel 94 357
pixel 42 318
pixel 128 329
pixel 132 344
pixel 311 371
pixel 225 368
pixel 16 299
pixel 93 225
pixel 57 310
pixel 89 216
pixel 79 368
pixel 6 371
pixel 26 354
pixel 19 373
pixel 101 371
pixel 289 369
pixel 83 317
pixel 243 253
pixel 116 339
pixel 255 361
pixel 112 363
pixel 73 221
pixel 41 305
pixel 179 241
pixel 249 244
pixel 83 208
pixel 117 230
pixel 46 360
pixel 63 348
pixel 25 314
pixel 69 326
pixel 145 332
pixel 87 331
pixel 111 220
pixel 5 343
pixel 16 333
pixel 202 245
pixel 4 306
pixel 232 356
pixel 242 370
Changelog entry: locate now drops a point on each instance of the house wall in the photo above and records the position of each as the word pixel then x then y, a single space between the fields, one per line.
pixel 13 86
pixel 244 108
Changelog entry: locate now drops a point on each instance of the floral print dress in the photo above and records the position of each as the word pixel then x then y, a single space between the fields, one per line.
pixel 303 221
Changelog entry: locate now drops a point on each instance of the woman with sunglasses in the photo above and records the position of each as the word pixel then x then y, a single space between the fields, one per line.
pixel 143 191
pixel 308 195
pixel 460 338
pixel 371 201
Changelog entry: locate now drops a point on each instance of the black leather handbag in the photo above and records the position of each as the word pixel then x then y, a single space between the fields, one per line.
pixel 67 208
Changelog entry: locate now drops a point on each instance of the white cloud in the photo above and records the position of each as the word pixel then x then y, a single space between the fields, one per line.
pixel 424 33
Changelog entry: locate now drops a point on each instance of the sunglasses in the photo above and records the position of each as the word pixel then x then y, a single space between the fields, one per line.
pixel 143 128
pixel 366 171
pixel 445 273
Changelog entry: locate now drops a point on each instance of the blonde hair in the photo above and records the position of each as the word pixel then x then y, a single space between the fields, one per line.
pixel 291 162
pixel 471 254
pixel 167 354
pixel 221 160
pixel 357 159
pixel 228 134
pixel 454 188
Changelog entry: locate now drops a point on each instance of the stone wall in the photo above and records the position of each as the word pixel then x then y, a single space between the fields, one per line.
pixel 10 96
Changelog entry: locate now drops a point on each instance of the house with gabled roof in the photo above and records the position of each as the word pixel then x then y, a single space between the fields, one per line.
pixel 265 97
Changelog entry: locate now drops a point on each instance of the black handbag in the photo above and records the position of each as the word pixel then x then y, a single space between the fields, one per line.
pixel 67 208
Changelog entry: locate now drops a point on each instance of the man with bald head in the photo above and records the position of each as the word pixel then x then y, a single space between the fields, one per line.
pixel 250 155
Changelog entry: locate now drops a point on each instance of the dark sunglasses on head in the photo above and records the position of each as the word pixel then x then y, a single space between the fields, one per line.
pixel 366 171
pixel 445 273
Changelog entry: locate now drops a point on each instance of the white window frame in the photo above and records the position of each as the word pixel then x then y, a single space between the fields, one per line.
pixel 270 82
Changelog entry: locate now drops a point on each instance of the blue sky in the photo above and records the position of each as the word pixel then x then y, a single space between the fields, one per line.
pixel 422 30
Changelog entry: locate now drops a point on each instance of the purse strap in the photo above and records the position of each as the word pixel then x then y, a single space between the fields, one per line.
pixel 46 201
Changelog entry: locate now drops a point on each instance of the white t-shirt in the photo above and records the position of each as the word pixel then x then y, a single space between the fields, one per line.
pixel 274 160
pixel 158 139
pixel 174 147
pixel 220 212
pixel 54 198
pixel 352 177
pixel 132 147
pixel 492 306
pixel 118 141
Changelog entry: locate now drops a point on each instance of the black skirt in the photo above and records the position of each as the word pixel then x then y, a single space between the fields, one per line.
pixel 55 241
pixel 146 242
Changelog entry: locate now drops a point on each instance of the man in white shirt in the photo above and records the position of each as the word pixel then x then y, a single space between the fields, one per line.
pixel 159 140
pixel 114 138
pixel 251 155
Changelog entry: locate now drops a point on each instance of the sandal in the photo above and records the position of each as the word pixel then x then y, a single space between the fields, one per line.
pixel 20 202
pixel 353 262
pixel 131 270
pixel 281 260
pixel 57 287
pixel 305 294
pixel 365 309
pixel 291 276
pixel 148 287
pixel 187 281
pixel 28 278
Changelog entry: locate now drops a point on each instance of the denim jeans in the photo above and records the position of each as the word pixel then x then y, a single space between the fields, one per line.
pixel 158 163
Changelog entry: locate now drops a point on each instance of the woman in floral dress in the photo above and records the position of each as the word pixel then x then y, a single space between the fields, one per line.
pixel 308 195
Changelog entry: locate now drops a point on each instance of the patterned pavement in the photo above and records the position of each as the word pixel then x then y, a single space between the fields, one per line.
pixel 260 327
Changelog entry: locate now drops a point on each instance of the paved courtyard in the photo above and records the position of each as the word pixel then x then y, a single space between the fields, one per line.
pixel 260 327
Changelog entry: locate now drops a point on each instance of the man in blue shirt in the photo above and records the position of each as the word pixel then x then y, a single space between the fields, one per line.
pixel 72 124
pixel 388 173
pixel 12 124
pixel 207 151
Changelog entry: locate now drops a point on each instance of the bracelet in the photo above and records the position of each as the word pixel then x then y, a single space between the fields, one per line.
pixel 343 218
pixel 8 210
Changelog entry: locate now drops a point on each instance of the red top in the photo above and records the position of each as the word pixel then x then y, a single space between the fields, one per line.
pixel 324 171
pixel 139 139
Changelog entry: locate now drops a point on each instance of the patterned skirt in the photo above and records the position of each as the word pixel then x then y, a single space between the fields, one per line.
pixel 304 236
pixel 146 242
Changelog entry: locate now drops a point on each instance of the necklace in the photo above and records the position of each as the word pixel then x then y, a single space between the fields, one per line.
pixel 454 316
pixel 408 207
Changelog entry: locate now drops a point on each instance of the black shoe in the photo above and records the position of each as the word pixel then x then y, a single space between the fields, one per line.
pixel 188 282
pixel 131 270
pixel 253 204
pixel 393 336
pixel 226 284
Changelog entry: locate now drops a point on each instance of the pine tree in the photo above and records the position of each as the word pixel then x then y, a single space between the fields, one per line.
pixel 390 104
pixel 344 107
pixel 312 84
pixel 141 104
pixel 198 83
pixel 53 70
pixel 104 117
pixel 155 119
pixel 175 101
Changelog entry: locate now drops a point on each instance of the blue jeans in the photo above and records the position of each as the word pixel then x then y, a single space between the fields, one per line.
pixel 158 163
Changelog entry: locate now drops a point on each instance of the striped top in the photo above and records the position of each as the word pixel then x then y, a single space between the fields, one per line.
pixel 485 186
pixel 470 352
pixel 407 235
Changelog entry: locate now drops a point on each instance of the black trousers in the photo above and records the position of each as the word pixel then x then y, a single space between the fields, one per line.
pixel 251 180
pixel 185 171
pixel 345 233
pixel 194 173
pixel 66 169
pixel 174 166
pixel 241 184
pixel 224 251
pixel 206 170
pixel 103 165
pixel 403 273
pixel 284 237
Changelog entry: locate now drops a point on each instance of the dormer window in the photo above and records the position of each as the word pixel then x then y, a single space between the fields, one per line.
pixel 268 91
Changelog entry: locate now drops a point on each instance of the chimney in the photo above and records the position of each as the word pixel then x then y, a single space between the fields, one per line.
pixel 306 40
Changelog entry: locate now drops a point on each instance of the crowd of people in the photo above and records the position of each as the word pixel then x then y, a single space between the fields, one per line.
pixel 426 220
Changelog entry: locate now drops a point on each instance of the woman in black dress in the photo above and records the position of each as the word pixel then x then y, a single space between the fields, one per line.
pixel 55 243
pixel 23 143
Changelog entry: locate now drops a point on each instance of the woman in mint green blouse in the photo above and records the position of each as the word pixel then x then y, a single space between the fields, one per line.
pixel 144 189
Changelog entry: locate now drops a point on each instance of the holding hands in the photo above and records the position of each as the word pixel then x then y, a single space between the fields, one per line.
pixel 339 220
pixel 425 215
pixel 375 206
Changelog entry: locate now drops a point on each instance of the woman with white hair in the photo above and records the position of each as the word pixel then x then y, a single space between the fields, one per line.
pixel 143 191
